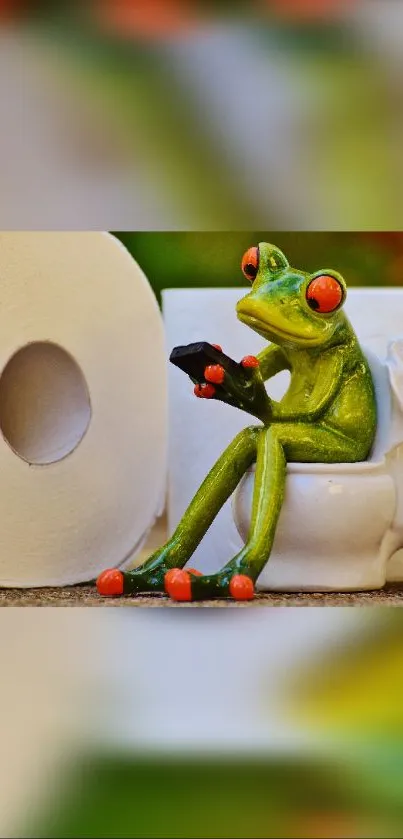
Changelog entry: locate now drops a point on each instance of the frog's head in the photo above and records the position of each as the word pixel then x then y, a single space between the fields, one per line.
pixel 288 306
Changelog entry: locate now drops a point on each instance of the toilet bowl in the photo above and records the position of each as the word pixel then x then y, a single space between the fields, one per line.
pixel 341 524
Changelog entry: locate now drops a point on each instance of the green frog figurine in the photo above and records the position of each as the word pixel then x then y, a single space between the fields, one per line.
pixel 327 415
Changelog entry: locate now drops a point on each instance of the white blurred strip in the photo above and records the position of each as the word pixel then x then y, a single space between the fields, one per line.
pixel 44 707
pixel 212 680
pixel 64 162
pixel 379 25
pixel 249 99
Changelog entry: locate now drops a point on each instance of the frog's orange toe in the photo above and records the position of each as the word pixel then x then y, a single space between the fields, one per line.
pixel 110 582
pixel 194 571
pixel 215 374
pixel 241 587
pixel 250 361
pixel 205 391
pixel 178 585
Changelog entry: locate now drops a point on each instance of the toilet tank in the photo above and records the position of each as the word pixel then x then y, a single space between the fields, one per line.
pixel 394 444
pixel 380 377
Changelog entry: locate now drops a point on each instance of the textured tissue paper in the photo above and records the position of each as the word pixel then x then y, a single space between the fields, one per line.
pixel 82 407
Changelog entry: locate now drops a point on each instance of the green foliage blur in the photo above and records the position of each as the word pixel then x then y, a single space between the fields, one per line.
pixel 199 259
pixel 216 799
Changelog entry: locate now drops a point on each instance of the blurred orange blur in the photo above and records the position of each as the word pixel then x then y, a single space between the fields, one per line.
pixel 307 10
pixel 144 18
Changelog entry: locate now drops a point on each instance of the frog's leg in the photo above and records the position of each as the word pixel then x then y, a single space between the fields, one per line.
pixel 278 444
pixel 212 494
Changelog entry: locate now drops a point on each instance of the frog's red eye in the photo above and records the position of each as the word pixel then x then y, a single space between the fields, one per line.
pixel 250 263
pixel 324 294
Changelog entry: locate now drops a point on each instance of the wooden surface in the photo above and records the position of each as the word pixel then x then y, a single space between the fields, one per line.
pixel 85 595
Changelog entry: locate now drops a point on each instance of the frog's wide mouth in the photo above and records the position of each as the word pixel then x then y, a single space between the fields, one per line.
pixel 268 329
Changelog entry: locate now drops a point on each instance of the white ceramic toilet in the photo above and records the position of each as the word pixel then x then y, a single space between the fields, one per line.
pixel 341 524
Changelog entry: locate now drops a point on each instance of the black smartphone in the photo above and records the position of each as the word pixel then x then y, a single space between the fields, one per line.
pixel 194 358
pixel 240 389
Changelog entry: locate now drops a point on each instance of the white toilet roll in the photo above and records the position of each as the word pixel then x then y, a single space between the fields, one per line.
pixel 82 407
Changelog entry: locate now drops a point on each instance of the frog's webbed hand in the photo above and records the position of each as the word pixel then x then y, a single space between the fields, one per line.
pixel 247 390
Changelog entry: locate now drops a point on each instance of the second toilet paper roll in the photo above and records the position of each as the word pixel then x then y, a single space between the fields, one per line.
pixel 82 407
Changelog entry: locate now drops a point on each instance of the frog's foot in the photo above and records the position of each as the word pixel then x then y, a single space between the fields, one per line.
pixel 110 582
pixel 113 583
pixel 189 585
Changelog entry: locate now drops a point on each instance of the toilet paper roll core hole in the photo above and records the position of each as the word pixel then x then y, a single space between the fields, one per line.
pixel 45 406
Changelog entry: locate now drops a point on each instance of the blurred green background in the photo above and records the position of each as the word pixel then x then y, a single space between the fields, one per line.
pixel 189 114
pixel 177 260
pixel 348 695
pixel 215 799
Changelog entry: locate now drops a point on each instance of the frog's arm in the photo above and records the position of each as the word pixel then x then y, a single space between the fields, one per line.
pixel 327 385
pixel 271 361
pixel 251 394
